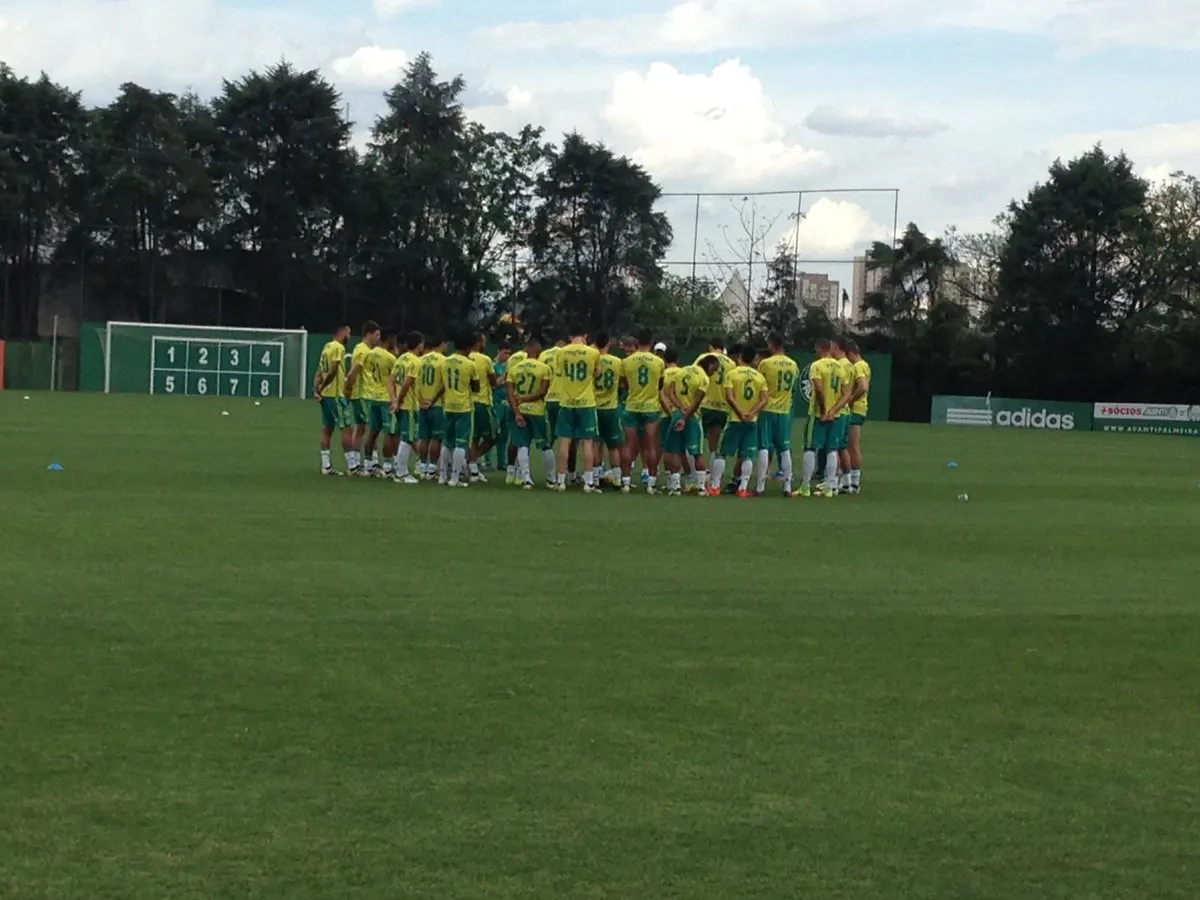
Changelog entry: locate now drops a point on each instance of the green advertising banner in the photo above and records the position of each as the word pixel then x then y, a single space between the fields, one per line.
pixel 1147 418
pixel 1009 412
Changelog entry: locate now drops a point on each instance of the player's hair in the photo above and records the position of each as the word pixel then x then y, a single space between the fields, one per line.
pixel 503 345
pixel 717 343
pixel 414 340
pixel 465 341
pixel 392 337
pixel 601 339
pixel 850 346
pixel 735 351
pixel 748 353
pixel 534 340
pixel 645 338
pixel 775 340
pixel 371 327
pixel 839 342
pixel 823 345
pixel 345 328
pixel 576 330
pixel 708 362
pixel 671 355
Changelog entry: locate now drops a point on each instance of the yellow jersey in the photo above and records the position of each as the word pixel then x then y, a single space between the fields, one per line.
pixel 484 368
pixel 333 357
pixel 519 356
pixel 670 376
pixel 861 370
pixel 643 372
pixel 526 378
pixel 782 376
pixel 846 374
pixel 609 381
pixel 376 369
pixel 549 358
pixel 715 397
pixel 691 385
pixel 747 385
pixel 357 357
pixel 408 365
pixel 577 363
pixel 457 373
pixel 826 384
pixel 430 382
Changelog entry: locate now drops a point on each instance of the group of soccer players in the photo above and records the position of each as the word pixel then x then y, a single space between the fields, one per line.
pixel 420 412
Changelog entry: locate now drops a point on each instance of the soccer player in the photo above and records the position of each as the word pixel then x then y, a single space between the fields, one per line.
pixel 820 433
pixel 501 413
pixel 682 441
pixel 461 383
pixel 746 393
pixel 554 398
pixel 404 406
pixel 859 394
pixel 354 393
pixel 528 384
pixel 328 385
pixel 577 427
pixel 642 371
pixel 846 380
pixel 376 369
pixel 430 415
pixel 775 423
pixel 608 413
pixel 714 411
pixel 485 424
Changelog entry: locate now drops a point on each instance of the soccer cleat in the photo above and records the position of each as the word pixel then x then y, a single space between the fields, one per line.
pixel 760 493
pixel 560 488
pixel 589 489
pixel 743 494
pixel 674 493
pixel 805 491
pixel 479 478
pixel 626 489
pixel 527 486
pixel 828 493
pixel 441 481
pixel 405 479
pixel 330 472
pixel 713 492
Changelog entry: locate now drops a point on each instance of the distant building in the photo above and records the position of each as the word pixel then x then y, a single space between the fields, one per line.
pixel 735 303
pixel 867 280
pixel 816 290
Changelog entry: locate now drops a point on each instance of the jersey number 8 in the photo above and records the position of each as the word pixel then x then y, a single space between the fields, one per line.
pixel 643 375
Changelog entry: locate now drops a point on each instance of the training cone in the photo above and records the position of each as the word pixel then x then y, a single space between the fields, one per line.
pixel 224 412
pixel 952 465
pixel 54 467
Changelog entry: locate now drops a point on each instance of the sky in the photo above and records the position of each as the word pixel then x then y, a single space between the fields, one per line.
pixel 950 108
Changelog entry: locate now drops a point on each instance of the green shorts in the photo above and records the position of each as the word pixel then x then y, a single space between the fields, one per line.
pixel 358 412
pixel 431 423
pixel 552 407
pixel 335 412
pixel 713 418
pixel 608 421
pixel 534 431
pixel 502 416
pixel 640 421
pixel 404 425
pixel 858 419
pixel 775 431
pixel 685 440
pixel 739 439
pixel 379 415
pixel 577 423
pixel 820 435
pixel 484 425
pixel 458 430
pixel 843 433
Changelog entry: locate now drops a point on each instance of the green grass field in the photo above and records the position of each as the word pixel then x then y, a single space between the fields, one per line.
pixel 224 676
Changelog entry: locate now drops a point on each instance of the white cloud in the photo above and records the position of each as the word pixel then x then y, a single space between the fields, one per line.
pixel 834 229
pixel 720 128
pixel 386 9
pixel 518 99
pixel 868 123
pixel 707 25
pixel 1174 144
pixel 372 66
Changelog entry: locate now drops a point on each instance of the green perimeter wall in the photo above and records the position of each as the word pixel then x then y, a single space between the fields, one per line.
pixel 1053 415
pixel 91 365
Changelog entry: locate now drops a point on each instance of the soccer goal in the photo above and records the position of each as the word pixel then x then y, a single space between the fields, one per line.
pixel 200 360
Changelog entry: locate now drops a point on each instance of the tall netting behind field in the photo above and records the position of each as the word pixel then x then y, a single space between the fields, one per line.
pixel 733 247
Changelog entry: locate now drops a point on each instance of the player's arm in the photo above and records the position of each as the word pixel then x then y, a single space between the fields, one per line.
pixel 733 405
pixel 818 389
pixel 352 379
pixel 320 383
pixel 764 397
pixel 393 391
pixel 514 402
pixel 666 397
pixel 402 393
pixel 860 389
pixel 843 400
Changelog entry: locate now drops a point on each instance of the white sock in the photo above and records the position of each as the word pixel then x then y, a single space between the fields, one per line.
pixel 831 464
pixel 744 479
pixel 625 480
pixel 511 471
pixel 389 463
pixel 589 477
pixel 374 457
pixel 785 463
pixel 474 468
pixel 523 463
pixel 855 477
pixel 458 463
pixel 808 467
pixel 549 462
pixel 369 462
pixel 326 461
pixel 562 479
pixel 402 458
pixel 673 481
pixel 351 460
pixel 702 480
pixel 445 460
pixel 651 480
pixel 764 464
pixel 718 471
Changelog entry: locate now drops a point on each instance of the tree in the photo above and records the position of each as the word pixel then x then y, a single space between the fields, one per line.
pixel 679 310
pixel 282 168
pixel 1067 278
pixel 780 307
pixel 596 238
